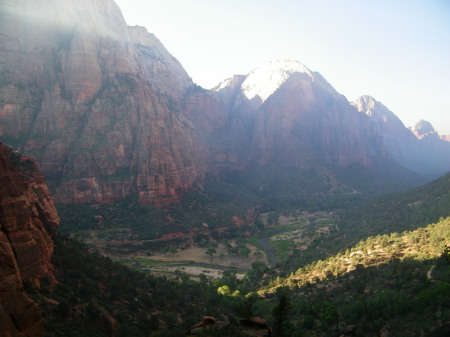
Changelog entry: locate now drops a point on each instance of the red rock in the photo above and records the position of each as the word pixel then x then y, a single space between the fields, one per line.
pixel 28 218
pixel 97 103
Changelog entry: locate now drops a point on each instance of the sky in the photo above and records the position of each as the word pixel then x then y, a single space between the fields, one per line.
pixel 397 51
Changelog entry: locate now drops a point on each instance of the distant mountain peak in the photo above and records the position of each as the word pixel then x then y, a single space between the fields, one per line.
pixel 265 80
pixel 375 110
pixel 422 128
pixel 366 104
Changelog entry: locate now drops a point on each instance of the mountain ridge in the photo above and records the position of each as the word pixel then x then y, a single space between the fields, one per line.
pixel 109 113
pixel 415 148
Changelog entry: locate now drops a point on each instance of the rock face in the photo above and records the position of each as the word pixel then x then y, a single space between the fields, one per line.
pixel 28 218
pixel 97 103
pixel 108 113
pixel 421 149
pixel 285 113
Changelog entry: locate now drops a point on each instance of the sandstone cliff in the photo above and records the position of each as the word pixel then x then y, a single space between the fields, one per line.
pixel 286 114
pixel 97 103
pixel 28 218
pixel 421 149
pixel 108 113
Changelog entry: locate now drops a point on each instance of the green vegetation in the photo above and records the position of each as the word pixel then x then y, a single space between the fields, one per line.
pixel 423 244
pixel 121 220
pixel 232 194
pixel 98 297
pixel 370 266
pixel 283 248
pixel 384 214
pixel 396 282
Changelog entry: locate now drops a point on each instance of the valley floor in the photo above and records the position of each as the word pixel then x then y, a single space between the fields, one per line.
pixel 270 245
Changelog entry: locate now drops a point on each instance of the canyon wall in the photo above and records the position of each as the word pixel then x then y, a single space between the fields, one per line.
pixel 28 219
pixel 421 149
pixel 286 114
pixel 97 103
pixel 109 113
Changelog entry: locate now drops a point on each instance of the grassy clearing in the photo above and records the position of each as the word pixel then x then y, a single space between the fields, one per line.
pixel 283 248
pixel 284 237
pixel 192 261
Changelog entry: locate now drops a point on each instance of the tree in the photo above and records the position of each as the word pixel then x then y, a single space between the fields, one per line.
pixel 256 273
pixel 244 251
pixel 259 255
pixel 246 306
pixel 329 314
pixel 210 251
pixel 280 312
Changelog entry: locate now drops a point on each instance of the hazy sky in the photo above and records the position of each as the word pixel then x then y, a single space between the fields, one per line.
pixel 397 51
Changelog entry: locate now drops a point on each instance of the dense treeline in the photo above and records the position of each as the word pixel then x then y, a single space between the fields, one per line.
pixel 399 283
pixel 220 199
pixel 400 211
pixel 95 296
pixel 364 279
pixel 391 282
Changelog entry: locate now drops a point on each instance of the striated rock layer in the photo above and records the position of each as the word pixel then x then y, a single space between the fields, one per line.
pixel 28 218
pixel 97 103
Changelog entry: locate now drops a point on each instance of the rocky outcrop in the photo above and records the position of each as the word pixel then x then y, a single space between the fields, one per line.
pixel 256 326
pixel 252 326
pixel 421 149
pixel 97 103
pixel 28 218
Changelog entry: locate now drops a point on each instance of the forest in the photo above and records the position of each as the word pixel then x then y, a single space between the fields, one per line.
pixel 396 281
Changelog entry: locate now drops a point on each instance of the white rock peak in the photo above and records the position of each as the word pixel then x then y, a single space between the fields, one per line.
pixel 265 80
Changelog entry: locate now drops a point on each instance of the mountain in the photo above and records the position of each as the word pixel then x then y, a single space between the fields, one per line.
pixel 421 149
pixel 96 102
pixel 28 219
pixel 285 121
pixel 109 113
pixel 290 115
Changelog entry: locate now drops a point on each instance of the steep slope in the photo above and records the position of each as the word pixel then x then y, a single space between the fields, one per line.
pixel 28 218
pixel 108 113
pixel 305 123
pixel 97 103
pixel 400 211
pixel 285 115
pixel 421 150
pixel 396 283
pixel 291 115
pixel 384 214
